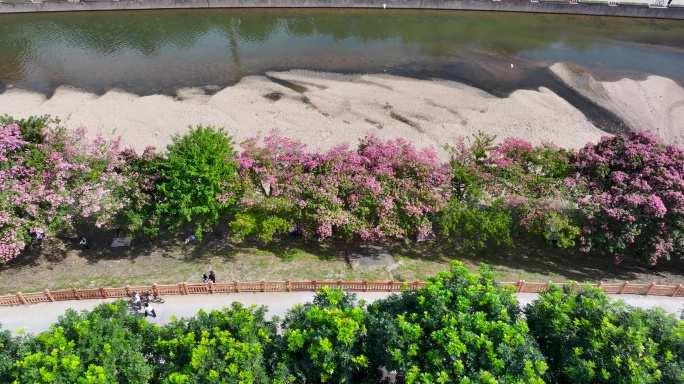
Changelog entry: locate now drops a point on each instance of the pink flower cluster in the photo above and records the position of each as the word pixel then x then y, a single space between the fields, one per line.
pixel 45 186
pixel 381 188
pixel 635 196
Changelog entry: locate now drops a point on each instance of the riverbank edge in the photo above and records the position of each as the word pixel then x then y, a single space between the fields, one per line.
pixel 556 7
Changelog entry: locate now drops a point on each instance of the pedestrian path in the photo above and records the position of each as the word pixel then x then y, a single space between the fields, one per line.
pixel 36 318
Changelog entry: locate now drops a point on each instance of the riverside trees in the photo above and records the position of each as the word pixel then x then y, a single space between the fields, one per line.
pixel 460 328
pixel 624 193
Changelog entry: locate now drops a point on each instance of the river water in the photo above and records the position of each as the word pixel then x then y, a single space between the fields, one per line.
pixel 151 52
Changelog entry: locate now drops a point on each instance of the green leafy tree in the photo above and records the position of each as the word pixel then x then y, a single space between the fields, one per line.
pixel 461 328
pixel 668 332
pixel 102 346
pixel 509 189
pixel 323 341
pixel 235 345
pixel 197 179
pixel 475 227
pixel 9 353
pixel 587 338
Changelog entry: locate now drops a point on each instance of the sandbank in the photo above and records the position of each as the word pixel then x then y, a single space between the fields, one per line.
pixel 325 109
pixel 655 104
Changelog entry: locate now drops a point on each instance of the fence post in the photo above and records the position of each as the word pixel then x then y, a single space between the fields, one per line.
pixel 128 290
pixel 676 290
pixel 155 289
pixel 263 285
pixel 237 286
pixel 624 286
pixel 600 285
pixel 339 283
pixel 391 289
pixel 365 285
pixel 521 284
pixel 184 288
pixel 103 292
pixel 289 285
pixel 211 287
pixel 315 284
pixel 415 285
pixel 75 291
pixel 548 285
pixel 21 298
pixel 49 295
pixel 650 287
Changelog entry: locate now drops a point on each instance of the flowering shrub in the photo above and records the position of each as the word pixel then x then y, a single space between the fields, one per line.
pixel 512 187
pixel 383 188
pixel 635 198
pixel 54 180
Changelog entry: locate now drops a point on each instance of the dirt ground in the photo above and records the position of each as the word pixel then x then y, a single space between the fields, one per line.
pixel 60 263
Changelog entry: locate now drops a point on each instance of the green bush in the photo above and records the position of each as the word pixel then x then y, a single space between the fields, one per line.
pixel 462 328
pixel 234 345
pixel 324 341
pixel 588 338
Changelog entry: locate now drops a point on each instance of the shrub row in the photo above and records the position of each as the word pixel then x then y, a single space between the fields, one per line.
pixel 623 195
pixel 461 328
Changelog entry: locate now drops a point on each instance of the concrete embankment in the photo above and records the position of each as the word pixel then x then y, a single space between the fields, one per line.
pixel 639 8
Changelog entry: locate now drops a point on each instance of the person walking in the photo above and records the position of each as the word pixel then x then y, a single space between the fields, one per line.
pixel 212 277
pixel 149 311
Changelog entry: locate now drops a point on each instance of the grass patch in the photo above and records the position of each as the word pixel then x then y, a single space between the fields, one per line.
pixel 400 118
pixel 274 96
pixel 288 84
pixel 169 261
pixel 405 120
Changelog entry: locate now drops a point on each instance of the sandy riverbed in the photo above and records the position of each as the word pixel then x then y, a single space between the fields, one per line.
pixel 337 108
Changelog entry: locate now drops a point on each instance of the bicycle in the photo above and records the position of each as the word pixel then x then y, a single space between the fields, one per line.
pixel 135 304
pixel 152 298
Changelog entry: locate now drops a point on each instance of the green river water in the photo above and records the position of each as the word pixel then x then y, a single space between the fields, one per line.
pixel 149 52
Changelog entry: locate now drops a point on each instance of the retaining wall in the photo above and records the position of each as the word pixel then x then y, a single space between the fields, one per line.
pixel 574 7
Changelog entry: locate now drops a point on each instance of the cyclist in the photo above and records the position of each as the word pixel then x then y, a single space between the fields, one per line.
pixel 136 300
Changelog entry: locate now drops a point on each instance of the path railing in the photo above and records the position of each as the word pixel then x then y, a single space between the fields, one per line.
pixel 306 286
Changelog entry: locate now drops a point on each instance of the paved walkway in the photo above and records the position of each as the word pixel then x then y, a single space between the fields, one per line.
pixel 38 317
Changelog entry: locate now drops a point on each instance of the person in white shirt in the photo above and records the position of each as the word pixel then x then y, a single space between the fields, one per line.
pixel 136 300
pixel 149 311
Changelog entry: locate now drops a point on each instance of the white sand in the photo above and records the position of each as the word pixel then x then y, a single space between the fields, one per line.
pixel 340 108
pixel 655 104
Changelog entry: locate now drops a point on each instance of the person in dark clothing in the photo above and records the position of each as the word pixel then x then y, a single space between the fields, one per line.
pixel 205 278
pixel 212 276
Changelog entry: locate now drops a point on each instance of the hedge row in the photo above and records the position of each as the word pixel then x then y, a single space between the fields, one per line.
pixel 623 195
pixel 461 328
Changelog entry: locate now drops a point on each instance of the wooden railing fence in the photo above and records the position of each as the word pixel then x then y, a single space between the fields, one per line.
pixel 306 286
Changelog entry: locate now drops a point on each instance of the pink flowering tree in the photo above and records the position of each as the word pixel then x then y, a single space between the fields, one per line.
pixel 144 174
pixel 635 200
pixel 270 178
pixel 510 188
pixel 381 189
pixel 51 178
